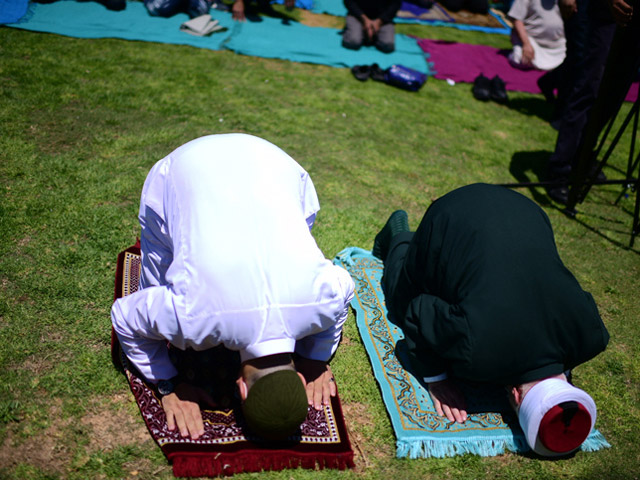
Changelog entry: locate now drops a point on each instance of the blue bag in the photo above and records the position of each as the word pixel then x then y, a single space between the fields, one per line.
pixel 404 77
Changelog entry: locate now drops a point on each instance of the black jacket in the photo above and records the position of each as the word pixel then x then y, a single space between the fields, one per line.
pixel 385 10
pixel 489 298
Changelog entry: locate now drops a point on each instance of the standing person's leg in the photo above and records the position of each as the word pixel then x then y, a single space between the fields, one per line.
pixel 353 34
pixel 572 69
pixel 386 38
pixel 579 103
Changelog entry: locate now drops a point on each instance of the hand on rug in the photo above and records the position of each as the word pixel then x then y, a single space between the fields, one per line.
pixel 320 383
pixel 448 400
pixel 182 408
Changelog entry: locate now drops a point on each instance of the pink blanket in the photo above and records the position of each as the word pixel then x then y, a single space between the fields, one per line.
pixel 463 62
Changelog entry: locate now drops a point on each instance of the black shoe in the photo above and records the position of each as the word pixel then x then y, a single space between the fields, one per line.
pixel 481 88
pixel 361 72
pixel 377 73
pixel 559 193
pixel 559 190
pixel 498 91
pixel 398 222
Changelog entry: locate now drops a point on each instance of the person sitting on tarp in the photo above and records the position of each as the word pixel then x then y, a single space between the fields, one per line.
pixel 473 6
pixel 240 8
pixel 370 23
pixel 168 8
pixel 537 35
pixel 483 296
pixel 228 258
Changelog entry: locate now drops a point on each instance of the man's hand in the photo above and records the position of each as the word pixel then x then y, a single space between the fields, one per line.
pixel 622 12
pixel 448 400
pixel 237 11
pixel 567 8
pixel 371 27
pixel 320 383
pixel 182 409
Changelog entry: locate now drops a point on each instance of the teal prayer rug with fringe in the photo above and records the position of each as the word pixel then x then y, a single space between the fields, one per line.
pixel 492 427
pixel 227 446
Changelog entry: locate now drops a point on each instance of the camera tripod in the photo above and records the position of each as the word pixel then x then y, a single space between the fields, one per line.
pixel 620 69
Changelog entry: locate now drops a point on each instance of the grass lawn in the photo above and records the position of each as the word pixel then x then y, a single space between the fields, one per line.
pixel 82 122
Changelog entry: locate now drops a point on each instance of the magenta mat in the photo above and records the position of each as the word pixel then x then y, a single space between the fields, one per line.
pixel 463 62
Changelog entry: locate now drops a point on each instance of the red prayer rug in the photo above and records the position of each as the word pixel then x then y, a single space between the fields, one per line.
pixel 226 447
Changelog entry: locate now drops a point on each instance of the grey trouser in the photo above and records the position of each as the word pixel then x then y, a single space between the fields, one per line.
pixel 354 37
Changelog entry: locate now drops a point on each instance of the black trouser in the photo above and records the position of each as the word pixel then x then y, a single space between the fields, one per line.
pixel 575 116
pixel 397 288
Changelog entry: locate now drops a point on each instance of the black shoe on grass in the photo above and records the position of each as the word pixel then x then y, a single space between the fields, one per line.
pixel 398 222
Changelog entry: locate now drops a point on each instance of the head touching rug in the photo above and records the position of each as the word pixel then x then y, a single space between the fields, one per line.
pixel 225 448
pixel 492 427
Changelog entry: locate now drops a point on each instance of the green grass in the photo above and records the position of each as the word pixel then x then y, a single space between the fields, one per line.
pixel 81 123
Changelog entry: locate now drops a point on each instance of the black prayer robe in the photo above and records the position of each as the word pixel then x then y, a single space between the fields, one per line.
pixel 481 292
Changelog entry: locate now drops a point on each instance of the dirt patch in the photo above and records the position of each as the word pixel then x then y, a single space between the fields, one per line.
pixel 108 424
pixel 37 365
pixel 111 428
pixel 320 20
pixel 359 422
pixel 46 451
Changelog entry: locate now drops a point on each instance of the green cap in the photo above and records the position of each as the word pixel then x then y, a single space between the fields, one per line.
pixel 276 405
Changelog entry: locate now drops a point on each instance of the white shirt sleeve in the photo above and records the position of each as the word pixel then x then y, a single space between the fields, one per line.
pixel 519 10
pixel 143 340
pixel 322 345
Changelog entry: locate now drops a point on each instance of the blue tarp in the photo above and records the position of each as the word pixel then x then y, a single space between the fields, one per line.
pixel 269 38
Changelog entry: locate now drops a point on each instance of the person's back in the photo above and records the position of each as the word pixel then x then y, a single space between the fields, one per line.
pixel 488 255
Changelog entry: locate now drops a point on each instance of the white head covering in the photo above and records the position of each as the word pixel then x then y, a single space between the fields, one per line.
pixel 542 397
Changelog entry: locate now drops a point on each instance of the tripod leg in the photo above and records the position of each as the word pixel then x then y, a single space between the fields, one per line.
pixel 635 229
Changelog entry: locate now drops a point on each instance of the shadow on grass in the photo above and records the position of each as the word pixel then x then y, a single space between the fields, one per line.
pixel 532 106
pixel 524 164
pixel 530 167
pixel 598 231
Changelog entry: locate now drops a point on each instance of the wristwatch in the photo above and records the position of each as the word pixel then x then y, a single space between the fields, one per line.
pixel 165 387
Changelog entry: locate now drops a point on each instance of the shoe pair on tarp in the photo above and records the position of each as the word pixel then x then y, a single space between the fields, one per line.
pixel 396 75
pixel 485 89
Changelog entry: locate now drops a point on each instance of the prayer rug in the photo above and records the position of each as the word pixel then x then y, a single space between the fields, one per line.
pixel 462 62
pixel 225 448
pixel 492 427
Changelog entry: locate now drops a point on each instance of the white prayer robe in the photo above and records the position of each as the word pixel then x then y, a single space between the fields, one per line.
pixel 228 257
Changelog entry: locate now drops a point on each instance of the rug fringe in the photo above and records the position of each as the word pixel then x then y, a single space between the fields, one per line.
pixel 196 465
pixel 595 441
pixel 423 448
